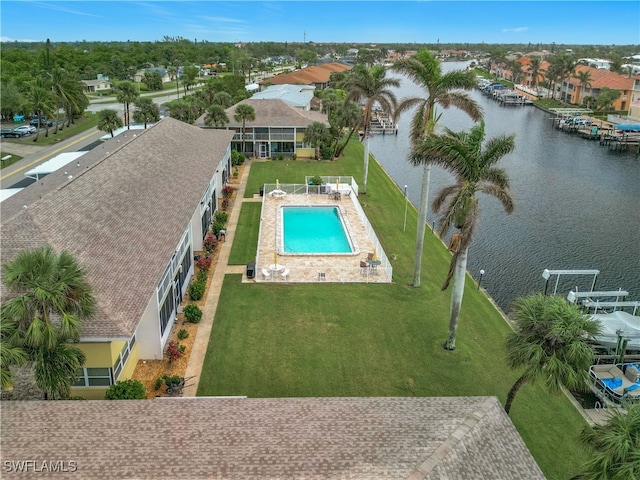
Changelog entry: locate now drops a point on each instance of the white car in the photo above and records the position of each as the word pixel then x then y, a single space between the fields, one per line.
pixel 26 129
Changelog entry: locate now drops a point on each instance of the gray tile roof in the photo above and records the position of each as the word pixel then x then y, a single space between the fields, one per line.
pixel 122 216
pixel 453 438
pixel 273 113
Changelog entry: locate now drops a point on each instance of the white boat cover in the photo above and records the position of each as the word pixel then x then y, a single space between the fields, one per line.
pixel 612 323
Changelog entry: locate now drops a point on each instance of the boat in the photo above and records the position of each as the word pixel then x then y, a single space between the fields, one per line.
pixel 617 384
pixel 618 327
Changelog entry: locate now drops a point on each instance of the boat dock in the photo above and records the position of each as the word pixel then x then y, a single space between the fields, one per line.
pixel 381 123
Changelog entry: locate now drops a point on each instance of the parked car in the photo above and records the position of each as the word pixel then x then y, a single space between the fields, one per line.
pixel 10 132
pixel 43 120
pixel 26 129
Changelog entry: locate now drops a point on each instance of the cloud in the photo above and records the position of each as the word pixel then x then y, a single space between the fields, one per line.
pixel 60 8
pixel 222 19
pixel 517 29
pixel 29 40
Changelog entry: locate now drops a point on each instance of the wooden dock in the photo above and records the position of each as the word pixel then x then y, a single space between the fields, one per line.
pixel 382 123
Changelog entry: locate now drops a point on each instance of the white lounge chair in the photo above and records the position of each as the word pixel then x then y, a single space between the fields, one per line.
pixel 266 274
pixel 285 274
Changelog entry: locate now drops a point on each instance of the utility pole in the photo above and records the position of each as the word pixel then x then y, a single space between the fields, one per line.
pixel 305 37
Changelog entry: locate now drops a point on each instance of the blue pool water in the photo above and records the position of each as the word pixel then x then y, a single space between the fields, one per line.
pixel 314 230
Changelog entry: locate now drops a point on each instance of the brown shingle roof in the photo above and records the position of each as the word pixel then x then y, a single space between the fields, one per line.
pixel 273 113
pixel 313 438
pixel 308 75
pixel 122 217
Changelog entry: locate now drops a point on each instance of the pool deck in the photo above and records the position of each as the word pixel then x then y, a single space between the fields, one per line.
pixel 342 268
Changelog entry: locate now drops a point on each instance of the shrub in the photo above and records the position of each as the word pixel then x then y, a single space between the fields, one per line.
pixel 171 380
pixel 210 242
pixel 192 313
pixel 236 172
pixel 237 158
pixel 326 152
pixel 317 180
pixel 227 191
pixel 204 262
pixel 202 276
pixel 294 156
pixel 221 217
pixel 280 156
pixel 126 390
pixel 225 204
pixel 174 350
pixel 182 334
pixel 196 290
pixel 216 227
pixel 159 382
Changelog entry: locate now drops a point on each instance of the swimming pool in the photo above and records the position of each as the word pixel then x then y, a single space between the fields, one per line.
pixel 313 230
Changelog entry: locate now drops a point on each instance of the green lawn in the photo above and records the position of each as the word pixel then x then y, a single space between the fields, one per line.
pixel 9 161
pixel 283 340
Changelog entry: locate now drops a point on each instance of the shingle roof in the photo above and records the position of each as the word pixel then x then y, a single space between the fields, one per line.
pixel 314 438
pixel 273 113
pixel 308 75
pixel 122 216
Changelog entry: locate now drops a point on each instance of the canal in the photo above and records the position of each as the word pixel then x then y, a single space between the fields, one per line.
pixel 577 203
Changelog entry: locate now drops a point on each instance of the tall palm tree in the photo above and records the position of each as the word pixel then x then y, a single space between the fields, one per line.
pixel 40 100
pixel 442 90
pixel 315 134
pixel 146 110
pixel 474 167
pixel 51 300
pixel 108 121
pixel 127 93
pixel 348 115
pixel 614 447
pixel 535 68
pixel 371 87
pixel 243 113
pixel 551 342
pixel 224 99
pixel 516 71
pixel 11 352
pixel 584 77
pixel 216 116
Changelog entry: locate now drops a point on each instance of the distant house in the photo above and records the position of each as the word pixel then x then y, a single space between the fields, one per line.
pixel 278 128
pixel 164 74
pixel 299 96
pixel 634 106
pixel 133 211
pixel 527 74
pixel 98 85
pixel 317 75
pixel 572 91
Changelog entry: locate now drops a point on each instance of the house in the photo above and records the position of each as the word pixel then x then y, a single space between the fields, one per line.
pixel 381 438
pixel 98 85
pixel 163 72
pixel 299 96
pixel 527 75
pixel 133 211
pixel 278 128
pixel 573 92
pixel 634 105
pixel 317 75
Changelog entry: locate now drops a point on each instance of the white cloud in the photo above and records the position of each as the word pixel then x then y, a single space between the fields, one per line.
pixel 517 29
pixel 9 39
pixel 222 19
pixel 60 8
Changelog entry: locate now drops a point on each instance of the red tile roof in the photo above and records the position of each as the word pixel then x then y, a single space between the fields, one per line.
pixel 309 75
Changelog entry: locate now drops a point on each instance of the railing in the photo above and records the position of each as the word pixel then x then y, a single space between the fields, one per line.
pixel 274 137
pixel 325 274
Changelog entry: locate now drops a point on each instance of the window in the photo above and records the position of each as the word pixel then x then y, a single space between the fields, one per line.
pixel 94 377
pixel 122 357
pixel 165 312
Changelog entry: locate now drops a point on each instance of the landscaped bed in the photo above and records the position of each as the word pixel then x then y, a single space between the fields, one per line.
pixel 280 340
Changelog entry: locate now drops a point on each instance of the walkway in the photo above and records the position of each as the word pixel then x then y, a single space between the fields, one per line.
pixel 199 348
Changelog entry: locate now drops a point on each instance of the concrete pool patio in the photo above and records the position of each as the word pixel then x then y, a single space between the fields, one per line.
pixel 341 268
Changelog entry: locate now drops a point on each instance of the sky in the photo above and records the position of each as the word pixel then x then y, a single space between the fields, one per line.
pixel 570 22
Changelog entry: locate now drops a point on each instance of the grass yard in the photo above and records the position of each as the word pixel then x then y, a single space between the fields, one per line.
pixel 305 340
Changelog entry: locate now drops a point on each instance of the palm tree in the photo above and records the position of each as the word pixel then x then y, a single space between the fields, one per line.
pixel 216 116
pixel 108 121
pixel 369 86
pixel 127 94
pixel 348 115
pixel 39 99
pixel 146 110
pixel 613 447
pixel 315 134
pixel 243 113
pixel 551 342
pixel 516 71
pixel 223 99
pixel 442 90
pixel 462 154
pixel 51 299
pixel 584 77
pixel 535 68
pixel 11 352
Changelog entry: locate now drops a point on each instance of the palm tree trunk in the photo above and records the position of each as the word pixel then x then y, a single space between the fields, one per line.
pixel 422 223
pixel 341 149
pixel 459 277
pixel 366 161
pixel 512 393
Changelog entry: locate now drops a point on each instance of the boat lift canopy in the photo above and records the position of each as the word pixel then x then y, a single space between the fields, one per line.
pixel 627 127
pixel 546 274
pixel 597 304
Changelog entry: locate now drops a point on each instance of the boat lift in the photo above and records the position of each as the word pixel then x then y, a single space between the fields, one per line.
pixel 546 274
pixel 635 304
pixel 575 295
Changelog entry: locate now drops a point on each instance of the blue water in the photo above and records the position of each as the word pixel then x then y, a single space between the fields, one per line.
pixel 314 230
